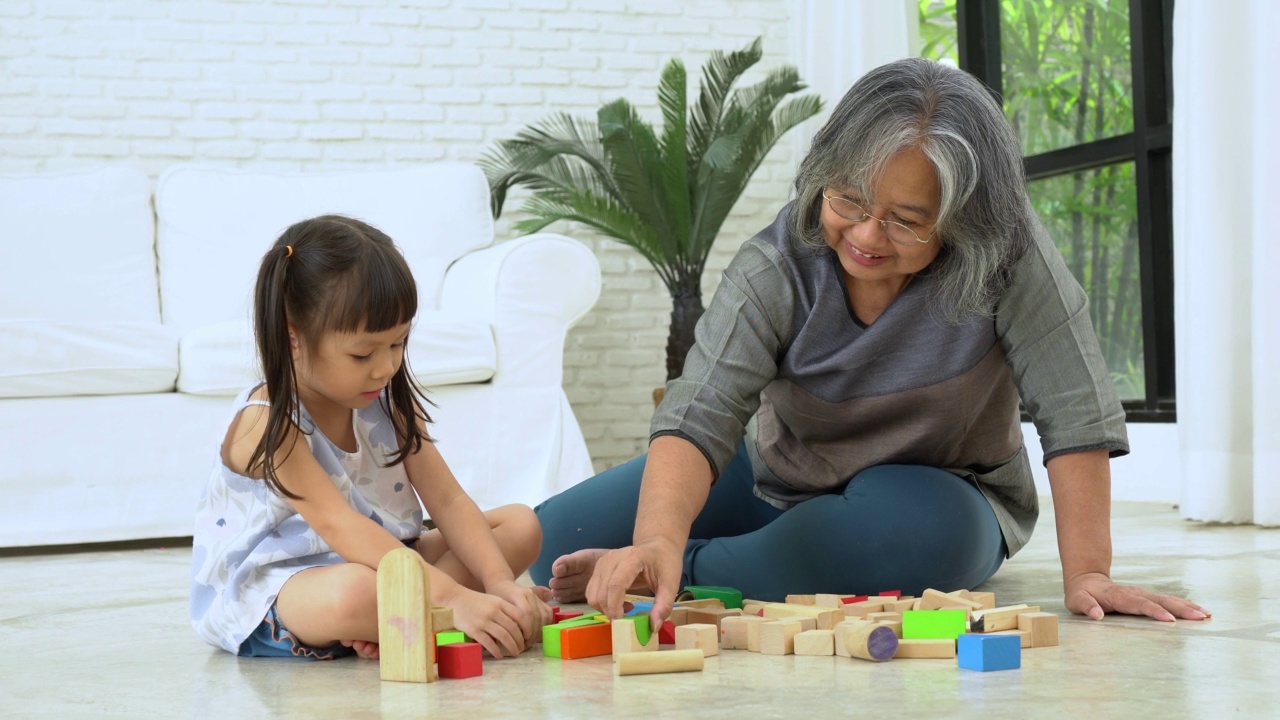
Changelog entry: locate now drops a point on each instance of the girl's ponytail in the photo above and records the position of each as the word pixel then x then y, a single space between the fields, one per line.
pixel 271 334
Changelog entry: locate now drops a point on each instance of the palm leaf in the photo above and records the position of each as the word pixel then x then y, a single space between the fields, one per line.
pixel 673 99
pixel 519 161
pixel 718 75
pixel 635 162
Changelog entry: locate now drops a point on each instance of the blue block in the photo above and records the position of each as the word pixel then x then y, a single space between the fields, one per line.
pixel 643 607
pixel 989 652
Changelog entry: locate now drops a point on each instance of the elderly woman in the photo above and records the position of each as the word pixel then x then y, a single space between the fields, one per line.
pixel 848 420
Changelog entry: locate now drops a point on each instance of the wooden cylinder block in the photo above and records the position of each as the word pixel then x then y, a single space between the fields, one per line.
pixel 661 661
pixel 869 641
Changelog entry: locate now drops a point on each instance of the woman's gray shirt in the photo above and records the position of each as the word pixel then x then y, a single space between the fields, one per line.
pixel 780 356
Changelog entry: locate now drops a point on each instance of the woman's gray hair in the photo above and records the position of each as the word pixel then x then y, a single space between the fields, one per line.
pixel 985 220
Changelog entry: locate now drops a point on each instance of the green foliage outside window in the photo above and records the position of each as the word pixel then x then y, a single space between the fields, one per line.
pixel 1067 81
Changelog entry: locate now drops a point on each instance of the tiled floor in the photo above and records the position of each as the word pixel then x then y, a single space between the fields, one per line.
pixel 106 634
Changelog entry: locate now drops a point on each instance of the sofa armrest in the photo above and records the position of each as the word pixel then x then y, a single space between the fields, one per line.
pixel 531 290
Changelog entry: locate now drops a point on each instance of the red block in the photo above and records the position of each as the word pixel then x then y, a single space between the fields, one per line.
pixel 667 633
pixel 853 599
pixel 459 660
pixel 559 615
pixel 895 593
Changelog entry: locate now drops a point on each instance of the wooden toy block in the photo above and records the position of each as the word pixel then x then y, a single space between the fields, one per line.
pixel 551 634
pixel 451 637
pixel 986 599
pixel 667 633
pixel 636 598
pixel 632 635
pixel 752 607
pixel 944 624
pixel 703 603
pixel 559 616
pixel 442 619
pixel 866 641
pixel 777 637
pixel 850 599
pixel 753 634
pixel 1041 626
pixel 731 597
pixel 815 642
pixel 405 639
pixel 801 599
pixel 861 609
pixel 884 617
pixel 894 593
pixel 1023 635
pixel 699 636
pixel 1001 618
pixel 894 625
pixel 734 631
pixel 710 616
pixel 900 605
pixel 922 648
pixel 662 661
pixel 828 600
pixel 826 618
pixel 586 641
pixel 460 660
pixel 986 653
pixel 631 609
pixel 679 616
pixel 935 600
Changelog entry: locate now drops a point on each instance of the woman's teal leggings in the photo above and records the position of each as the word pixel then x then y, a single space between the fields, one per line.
pixel 895 527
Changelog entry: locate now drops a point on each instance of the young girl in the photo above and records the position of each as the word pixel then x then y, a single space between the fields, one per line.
pixel 322 467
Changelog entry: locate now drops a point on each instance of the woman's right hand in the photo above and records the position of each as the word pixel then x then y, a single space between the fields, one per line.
pixel 658 564
pixel 488 620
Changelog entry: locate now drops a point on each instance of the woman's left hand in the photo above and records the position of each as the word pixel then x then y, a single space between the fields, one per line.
pixel 1094 594
pixel 534 613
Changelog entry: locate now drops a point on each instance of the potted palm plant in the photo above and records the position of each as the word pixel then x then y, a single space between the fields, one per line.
pixel 664 195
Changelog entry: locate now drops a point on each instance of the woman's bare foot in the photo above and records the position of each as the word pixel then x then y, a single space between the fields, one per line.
pixel 571 573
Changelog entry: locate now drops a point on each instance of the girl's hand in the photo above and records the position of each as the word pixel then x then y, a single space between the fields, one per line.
pixel 534 612
pixel 1094 594
pixel 489 620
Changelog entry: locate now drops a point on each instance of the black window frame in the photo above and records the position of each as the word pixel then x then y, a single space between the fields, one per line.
pixel 1148 146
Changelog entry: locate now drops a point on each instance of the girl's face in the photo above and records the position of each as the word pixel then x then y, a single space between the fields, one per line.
pixel 348 369
pixel 907 192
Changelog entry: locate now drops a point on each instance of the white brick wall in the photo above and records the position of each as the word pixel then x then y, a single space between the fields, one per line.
pixel 301 84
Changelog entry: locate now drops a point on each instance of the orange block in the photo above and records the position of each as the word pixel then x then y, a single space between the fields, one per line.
pixel 586 641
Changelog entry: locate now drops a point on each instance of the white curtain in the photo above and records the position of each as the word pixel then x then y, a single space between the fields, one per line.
pixel 1226 204
pixel 835 43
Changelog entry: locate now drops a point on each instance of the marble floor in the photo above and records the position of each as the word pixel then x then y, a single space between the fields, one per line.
pixel 101 634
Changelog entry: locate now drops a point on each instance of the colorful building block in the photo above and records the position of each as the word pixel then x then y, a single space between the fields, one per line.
pixel 853 599
pixel 989 652
pixel 586 641
pixel 559 616
pixel 551 634
pixel 731 597
pixel 459 660
pixel 639 608
pixel 450 637
pixel 933 624
pixel 667 633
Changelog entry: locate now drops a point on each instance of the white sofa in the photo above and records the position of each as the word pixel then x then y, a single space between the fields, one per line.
pixel 124 332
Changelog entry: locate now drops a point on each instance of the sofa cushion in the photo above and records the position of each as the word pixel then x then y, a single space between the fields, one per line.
pixel 444 349
pixel 79 246
pixel 214 224
pixel 47 358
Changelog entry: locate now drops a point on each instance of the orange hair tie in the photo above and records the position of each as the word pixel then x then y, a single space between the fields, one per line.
pixel 288 251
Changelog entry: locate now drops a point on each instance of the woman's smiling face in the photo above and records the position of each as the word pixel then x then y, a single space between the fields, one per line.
pixel 906 192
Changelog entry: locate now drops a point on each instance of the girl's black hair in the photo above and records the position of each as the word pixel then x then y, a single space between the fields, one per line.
pixel 330 274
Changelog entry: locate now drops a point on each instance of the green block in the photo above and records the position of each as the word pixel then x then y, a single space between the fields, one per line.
pixel 731 597
pixel 644 630
pixel 450 637
pixel 551 633
pixel 933 624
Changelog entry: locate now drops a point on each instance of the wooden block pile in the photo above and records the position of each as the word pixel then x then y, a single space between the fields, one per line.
pixel 962 625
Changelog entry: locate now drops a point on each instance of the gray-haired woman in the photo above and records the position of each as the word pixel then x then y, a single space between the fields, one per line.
pixel 848 421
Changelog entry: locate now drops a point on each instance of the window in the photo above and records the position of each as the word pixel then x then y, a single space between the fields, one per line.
pixel 1086 85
